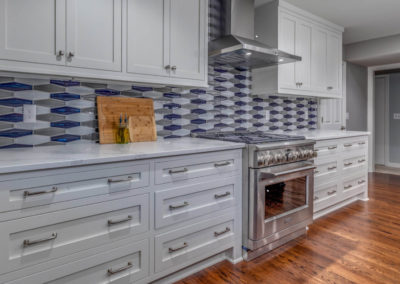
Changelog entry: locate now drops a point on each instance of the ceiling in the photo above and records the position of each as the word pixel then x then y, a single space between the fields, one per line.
pixel 362 19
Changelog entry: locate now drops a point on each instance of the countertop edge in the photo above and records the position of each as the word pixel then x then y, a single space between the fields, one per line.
pixel 119 158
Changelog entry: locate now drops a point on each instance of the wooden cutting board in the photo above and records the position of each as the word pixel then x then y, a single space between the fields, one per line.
pixel 142 126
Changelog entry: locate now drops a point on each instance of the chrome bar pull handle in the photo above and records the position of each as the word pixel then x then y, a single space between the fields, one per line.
pixel 348 186
pixel 28 193
pixel 347 164
pixel 222 164
pixel 332 168
pixel 361 181
pixel 332 148
pixel 171 250
pixel 348 145
pixel 184 170
pixel 112 272
pixel 217 234
pixel 110 180
pixel 174 207
pixel 217 196
pixel 111 222
pixel 361 143
pixel 331 192
pixel 28 243
pixel 361 161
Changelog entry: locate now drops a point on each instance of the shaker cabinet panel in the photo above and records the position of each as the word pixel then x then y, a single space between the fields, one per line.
pixel 187 38
pixel 334 67
pixel 32 31
pixel 147 48
pixel 319 60
pixel 287 43
pixel 94 34
pixel 303 49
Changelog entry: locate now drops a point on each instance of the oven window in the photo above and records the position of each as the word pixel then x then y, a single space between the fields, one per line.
pixel 285 196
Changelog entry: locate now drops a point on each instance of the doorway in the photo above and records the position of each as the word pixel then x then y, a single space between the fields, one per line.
pixel 387 123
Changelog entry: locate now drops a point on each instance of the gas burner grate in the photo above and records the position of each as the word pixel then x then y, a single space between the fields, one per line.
pixel 249 137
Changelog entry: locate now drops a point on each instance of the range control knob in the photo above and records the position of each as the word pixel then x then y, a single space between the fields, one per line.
pixel 260 160
pixel 268 160
pixel 279 158
pixel 291 157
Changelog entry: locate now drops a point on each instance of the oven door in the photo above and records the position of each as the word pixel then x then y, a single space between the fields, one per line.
pixel 280 200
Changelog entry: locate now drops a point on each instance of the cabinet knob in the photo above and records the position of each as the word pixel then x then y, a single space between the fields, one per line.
pixel 173 68
pixel 330 88
pixel 60 53
pixel 71 54
pixel 167 67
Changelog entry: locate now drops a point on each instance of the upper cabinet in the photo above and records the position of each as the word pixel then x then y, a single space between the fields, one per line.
pixel 32 31
pixel 157 41
pixel 316 41
pixel 177 45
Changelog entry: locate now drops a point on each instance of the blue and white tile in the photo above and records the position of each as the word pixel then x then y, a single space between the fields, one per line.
pixel 80 117
pixel 32 125
pixel 80 104
pixel 32 140
pixel 32 95
pixel 80 130
pixel 80 90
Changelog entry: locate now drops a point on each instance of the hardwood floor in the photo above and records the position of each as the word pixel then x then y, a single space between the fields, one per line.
pixel 357 244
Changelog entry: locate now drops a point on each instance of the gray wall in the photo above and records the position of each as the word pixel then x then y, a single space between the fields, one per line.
pixel 394 125
pixel 356 81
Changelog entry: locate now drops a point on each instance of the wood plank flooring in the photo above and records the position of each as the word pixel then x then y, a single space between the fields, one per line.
pixel 357 244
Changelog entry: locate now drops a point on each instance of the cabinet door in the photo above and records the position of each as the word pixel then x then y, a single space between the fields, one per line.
pixel 32 31
pixel 187 38
pixel 331 114
pixel 319 60
pixel 147 45
pixel 334 64
pixel 303 49
pixel 287 43
pixel 94 34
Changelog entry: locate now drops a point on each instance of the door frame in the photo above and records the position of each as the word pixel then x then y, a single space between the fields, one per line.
pixel 371 110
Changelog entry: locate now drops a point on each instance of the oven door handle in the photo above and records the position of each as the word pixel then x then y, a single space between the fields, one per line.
pixel 268 175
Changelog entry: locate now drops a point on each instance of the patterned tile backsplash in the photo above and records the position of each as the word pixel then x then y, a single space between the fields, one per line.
pixel 66 110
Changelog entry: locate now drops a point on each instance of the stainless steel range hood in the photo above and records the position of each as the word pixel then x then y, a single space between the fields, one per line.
pixel 235 45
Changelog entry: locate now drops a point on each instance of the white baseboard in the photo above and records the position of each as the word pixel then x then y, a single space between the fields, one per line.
pixel 235 261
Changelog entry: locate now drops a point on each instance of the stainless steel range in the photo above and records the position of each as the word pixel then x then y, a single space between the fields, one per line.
pixel 278 186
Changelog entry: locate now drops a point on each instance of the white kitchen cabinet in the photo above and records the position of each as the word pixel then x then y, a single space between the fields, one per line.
pixel 188 29
pixel 341 176
pixel 157 42
pixel 177 45
pixel 121 222
pixel 317 41
pixel 147 48
pixel 32 31
pixel 94 34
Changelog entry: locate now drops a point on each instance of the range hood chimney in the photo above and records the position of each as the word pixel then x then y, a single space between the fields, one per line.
pixel 235 44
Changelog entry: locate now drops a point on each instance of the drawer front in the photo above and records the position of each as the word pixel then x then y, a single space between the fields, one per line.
pixel 183 203
pixel 196 166
pixel 123 265
pixel 182 247
pixel 325 170
pixel 355 185
pixel 40 238
pixel 32 192
pixel 327 148
pixel 354 144
pixel 354 164
pixel 325 196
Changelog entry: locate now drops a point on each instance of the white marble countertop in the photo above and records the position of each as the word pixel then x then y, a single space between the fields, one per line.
pixel 326 134
pixel 26 159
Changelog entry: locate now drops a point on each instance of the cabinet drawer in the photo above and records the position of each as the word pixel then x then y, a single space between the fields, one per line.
pixel 355 185
pixel 325 196
pixel 353 144
pixel 196 166
pixel 31 240
pixel 183 203
pixel 325 170
pixel 131 262
pixel 328 148
pixel 356 163
pixel 182 247
pixel 44 190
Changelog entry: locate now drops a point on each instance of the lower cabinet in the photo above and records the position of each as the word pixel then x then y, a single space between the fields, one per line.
pixel 341 175
pixel 117 223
